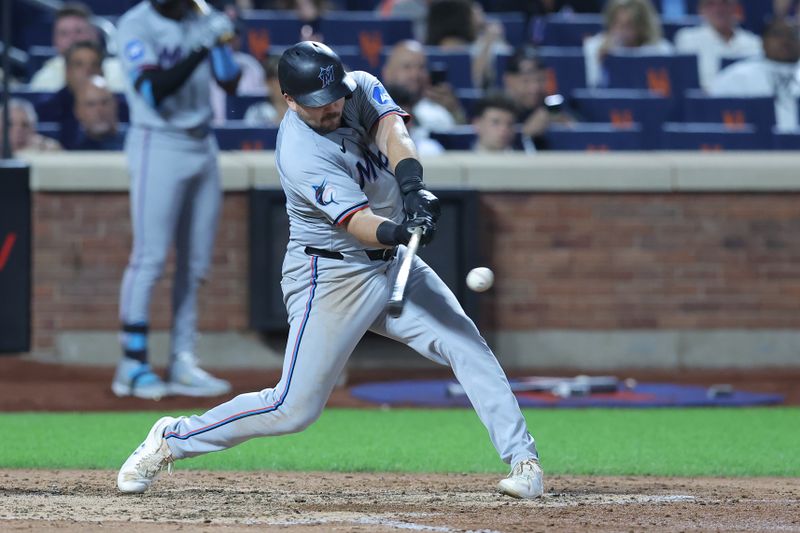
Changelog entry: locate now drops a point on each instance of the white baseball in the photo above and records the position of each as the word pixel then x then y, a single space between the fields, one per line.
pixel 480 279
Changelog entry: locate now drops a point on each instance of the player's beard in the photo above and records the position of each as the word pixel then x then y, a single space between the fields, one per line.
pixel 329 123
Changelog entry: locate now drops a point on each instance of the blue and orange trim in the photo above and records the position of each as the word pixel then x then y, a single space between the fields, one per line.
pixel 349 212
pixel 263 410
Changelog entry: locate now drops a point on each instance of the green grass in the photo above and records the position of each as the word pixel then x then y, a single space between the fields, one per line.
pixel 674 442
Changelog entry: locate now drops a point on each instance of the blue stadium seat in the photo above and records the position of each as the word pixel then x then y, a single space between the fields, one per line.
pixel 458 64
pixel 624 107
pixel 514 25
pixel 354 27
pixel 49 129
pixel 458 138
pixel 235 136
pixel 732 112
pixel 468 98
pixel 672 26
pixel 33 97
pixel 593 137
pixel 236 105
pixel 756 15
pixel 570 29
pixel 110 7
pixel 566 69
pixel 711 137
pixel 354 59
pixel 38 55
pixel 665 75
pixel 786 140
pixel 264 29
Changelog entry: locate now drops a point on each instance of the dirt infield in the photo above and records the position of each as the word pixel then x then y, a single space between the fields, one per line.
pixel 70 501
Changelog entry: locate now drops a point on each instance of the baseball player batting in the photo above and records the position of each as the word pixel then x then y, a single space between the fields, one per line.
pixel 170 52
pixel 354 195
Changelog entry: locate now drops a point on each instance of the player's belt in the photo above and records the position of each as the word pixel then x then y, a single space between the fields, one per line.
pixel 382 254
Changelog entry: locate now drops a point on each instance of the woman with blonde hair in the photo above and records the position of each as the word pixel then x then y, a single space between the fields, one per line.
pixel 631 27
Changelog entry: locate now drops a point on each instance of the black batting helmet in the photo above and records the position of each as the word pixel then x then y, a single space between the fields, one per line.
pixel 313 75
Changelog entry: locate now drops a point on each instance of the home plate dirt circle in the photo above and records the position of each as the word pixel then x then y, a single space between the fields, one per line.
pixel 69 501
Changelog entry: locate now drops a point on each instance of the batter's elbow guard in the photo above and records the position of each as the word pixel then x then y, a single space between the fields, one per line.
pixel 224 65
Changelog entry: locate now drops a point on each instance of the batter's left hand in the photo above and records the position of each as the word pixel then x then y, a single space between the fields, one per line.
pixel 218 27
pixel 422 203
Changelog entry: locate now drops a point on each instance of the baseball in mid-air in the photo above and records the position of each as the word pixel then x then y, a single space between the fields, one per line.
pixel 480 279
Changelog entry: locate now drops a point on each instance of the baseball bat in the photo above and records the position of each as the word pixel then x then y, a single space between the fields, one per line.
pixel 397 299
pixel 205 10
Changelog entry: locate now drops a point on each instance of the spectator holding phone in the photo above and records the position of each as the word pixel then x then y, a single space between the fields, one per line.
pixel 525 82
pixel 436 107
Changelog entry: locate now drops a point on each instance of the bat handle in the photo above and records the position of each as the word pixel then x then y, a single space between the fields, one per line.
pixel 396 301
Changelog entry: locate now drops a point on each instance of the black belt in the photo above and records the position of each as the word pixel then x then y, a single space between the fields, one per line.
pixel 382 254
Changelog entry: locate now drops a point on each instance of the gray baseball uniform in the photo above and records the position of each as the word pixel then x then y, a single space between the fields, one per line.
pixel 335 291
pixel 172 159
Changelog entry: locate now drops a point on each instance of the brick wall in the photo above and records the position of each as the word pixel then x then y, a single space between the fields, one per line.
pixel 81 247
pixel 628 261
pixel 572 261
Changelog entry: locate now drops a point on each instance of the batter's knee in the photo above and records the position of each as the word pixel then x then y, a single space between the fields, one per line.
pixel 299 418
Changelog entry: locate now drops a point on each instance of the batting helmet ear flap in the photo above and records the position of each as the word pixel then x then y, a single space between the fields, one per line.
pixel 313 75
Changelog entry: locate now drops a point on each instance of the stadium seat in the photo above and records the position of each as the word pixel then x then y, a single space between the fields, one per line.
pixel 593 137
pixel 49 129
pixel 671 26
pixel 786 140
pixel 458 65
pixel 668 76
pixel 235 136
pixel 569 29
pixel 38 55
pixel 711 137
pixel 566 69
pixel 468 98
pixel 514 26
pixel 265 29
pixel 624 107
pixel 236 105
pixel 458 138
pixel 364 29
pixel 732 112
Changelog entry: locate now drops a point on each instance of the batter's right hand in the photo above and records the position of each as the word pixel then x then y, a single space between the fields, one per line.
pixel 218 27
pixel 425 222
pixel 422 203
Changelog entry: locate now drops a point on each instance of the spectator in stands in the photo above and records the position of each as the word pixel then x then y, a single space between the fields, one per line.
pixel 494 123
pixel 420 136
pixel 83 60
pixel 96 111
pixel 786 9
pixel 631 27
pixel 270 112
pixel 252 81
pixel 718 37
pixel 22 134
pixel 775 75
pixel 436 107
pixel 73 24
pixel 462 25
pixel 525 82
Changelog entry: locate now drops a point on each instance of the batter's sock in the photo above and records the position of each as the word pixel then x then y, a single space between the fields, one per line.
pixel 134 341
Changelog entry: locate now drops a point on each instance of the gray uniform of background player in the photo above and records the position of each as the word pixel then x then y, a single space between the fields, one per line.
pixel 332 303
pixel 172 160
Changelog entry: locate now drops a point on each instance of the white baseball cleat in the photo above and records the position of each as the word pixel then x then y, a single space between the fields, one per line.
pixel 146 462
pixel 186 378
pixel 524 481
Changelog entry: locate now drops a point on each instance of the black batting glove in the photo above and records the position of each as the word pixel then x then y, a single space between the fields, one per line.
pixel 422 202
pixel 406 229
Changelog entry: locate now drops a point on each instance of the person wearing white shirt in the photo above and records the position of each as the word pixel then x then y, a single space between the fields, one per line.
pixel 718 37
pixel 631 27
pixel 776 75
pixel 73 24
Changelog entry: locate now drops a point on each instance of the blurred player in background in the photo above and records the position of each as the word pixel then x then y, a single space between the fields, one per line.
pixel 170 52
